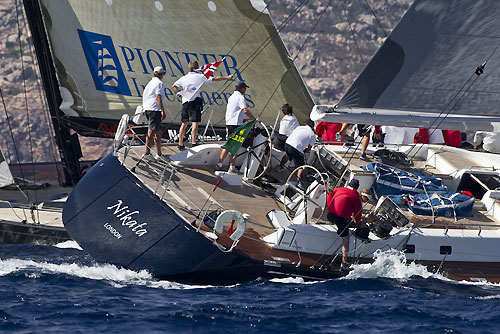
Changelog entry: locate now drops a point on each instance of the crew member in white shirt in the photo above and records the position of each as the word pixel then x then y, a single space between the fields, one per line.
pixel 490 141
pixel 153 109
pixel 288 123
pixel 300 141
pixel 236 112
pixel 192 106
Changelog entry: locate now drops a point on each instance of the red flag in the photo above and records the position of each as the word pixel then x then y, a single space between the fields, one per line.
pixel 209 69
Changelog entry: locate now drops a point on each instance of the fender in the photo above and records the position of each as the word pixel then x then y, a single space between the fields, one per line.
pixel 228 215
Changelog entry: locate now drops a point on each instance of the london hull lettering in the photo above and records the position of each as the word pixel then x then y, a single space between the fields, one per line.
pixel 112 230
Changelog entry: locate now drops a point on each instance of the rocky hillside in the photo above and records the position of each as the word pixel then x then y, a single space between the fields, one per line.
pixel 343 37
pixel 329 40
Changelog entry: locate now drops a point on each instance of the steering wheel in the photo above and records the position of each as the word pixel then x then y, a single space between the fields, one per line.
pixel 306 194
pixel 264 161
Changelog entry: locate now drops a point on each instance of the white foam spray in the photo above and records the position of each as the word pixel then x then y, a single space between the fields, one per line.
pixel 117 277
pixel 68 244
pixel 389 264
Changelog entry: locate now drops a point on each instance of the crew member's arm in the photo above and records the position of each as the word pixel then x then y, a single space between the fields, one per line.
pixel 160 104
pixel 249 115
pixel 175 89
pixel 219 78
pixel 358 210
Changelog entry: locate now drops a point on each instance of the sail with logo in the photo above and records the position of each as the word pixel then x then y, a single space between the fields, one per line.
pixel 429 72
pixel 104 53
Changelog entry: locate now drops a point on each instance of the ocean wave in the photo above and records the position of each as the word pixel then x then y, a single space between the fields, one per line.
pixel 117 277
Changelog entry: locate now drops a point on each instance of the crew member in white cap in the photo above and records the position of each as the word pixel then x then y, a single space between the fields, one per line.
pixel 192 107
pixel 153 109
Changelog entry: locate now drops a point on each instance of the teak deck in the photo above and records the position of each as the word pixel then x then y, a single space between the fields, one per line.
pixel 191 190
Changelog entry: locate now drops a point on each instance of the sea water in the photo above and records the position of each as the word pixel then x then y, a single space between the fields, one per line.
pixel 60 289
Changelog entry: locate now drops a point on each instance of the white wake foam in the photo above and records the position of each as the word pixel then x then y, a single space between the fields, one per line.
pixel 117 277
pixel 68 244
pixel 289 280
pixel 389 264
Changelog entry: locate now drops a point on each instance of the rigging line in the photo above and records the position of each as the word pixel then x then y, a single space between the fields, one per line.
pixel 477 72
pixel 26 103
pixel 262 46
pixel 52 89
pixel 226 85
pixel 14 142
pixel 441 118
pixel 9 157
pixel 255 53
pixel 43 98
pixel 296 55
pixel 455 97
pixel 352 33
pixel 376 18
pixel 350 158
pixel 250 26
pixel 258 51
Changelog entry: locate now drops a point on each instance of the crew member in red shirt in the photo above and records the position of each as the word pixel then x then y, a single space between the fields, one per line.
pixel 328 131
pixel 342 204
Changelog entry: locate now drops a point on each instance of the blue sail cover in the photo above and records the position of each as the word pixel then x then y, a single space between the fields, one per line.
pixel 446 205
pixel 394 181
pixel 426 67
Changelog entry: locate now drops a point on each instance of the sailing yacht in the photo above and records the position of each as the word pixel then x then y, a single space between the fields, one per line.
pixel 182 220
pixel 31 211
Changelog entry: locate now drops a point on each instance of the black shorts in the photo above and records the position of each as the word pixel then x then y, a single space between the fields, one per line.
pixel 191 111
pixel 248 140
pixel 294 155
pixel 154 119
pixel 279 141
pixel 364 129
pixel 341 223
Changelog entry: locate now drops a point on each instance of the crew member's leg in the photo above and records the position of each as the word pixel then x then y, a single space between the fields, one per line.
pixel 342 131
pixel 224 152
pixel 152 126
pixel 343 231
pixel 296 157
pixel 364 145
pixel 345 248
pixel 182 133
pixel 149 141
pixel 222 156
pixel 158 134
pixel 194 132
pixel 184 120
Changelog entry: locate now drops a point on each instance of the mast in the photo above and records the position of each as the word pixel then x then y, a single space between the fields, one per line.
pixel 67 143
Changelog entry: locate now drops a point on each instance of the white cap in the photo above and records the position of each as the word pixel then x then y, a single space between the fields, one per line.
pixel 158 70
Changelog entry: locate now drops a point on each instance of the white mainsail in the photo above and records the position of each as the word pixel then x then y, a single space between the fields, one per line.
pixel 5 174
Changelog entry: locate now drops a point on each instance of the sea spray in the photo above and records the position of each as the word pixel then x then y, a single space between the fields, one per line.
pixel 388 264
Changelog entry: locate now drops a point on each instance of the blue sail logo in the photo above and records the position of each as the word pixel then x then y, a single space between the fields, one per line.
pixel 103 63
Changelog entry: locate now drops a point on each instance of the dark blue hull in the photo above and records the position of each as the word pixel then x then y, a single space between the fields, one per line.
pixel 116 219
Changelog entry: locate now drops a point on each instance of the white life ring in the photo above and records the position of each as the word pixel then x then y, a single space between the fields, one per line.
pixel 229 215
